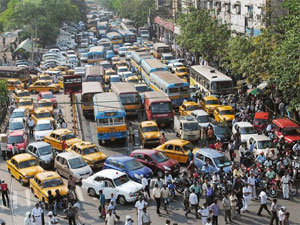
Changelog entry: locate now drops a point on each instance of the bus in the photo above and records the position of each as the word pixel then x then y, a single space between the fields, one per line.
pixel 159 48
pixel 14 72
pixel 136 59
pixel 94 73
pixel 96 54
pixel 102 25
pixel 129 97
pixel 210 80
pixel 149 66
pixel 128 37
pixel 110 117
pixel 158 107
pixel 174 87
pixel 89 89
pixel 115 38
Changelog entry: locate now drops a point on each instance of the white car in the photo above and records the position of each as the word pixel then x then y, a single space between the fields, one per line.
pixel 16 124
pixel 202 117
pixel 246 129
pixel 261 143
pixel 112 181
pixel 126 75
pixel 43 128
pixel 173 66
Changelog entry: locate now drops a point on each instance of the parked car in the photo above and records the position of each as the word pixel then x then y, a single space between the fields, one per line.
pixel 112 181
pixel 157 162
pixel 42 151
pixel 42 128
pixel 133 168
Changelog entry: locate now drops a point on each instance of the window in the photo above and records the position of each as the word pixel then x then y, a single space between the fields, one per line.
pixel 147 158
pixel 200 156
pixel 53 135
pixel 177 148
pixel 169 147
pixel 98 179
pixel 138 156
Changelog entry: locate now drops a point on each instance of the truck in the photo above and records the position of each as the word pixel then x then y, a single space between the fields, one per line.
pixel 187 128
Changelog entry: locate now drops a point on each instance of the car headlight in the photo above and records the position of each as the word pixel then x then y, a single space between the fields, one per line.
pixel 166 167
pixel 136 176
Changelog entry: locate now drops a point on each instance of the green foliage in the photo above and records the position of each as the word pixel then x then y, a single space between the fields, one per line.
pixel 202 35
pixel 3 92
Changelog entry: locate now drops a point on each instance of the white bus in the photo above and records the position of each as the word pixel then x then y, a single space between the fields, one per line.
pixel 210 80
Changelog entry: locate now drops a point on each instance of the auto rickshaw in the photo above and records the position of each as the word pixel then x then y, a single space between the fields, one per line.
pixel 261 120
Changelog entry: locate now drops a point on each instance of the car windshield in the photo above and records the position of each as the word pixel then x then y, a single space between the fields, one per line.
pixel 212 102
pixel 121 180
pixel 260 121
pixel 46 150
pixel 192 107
pixel 161 108
pixel 28 163
pixel 203 119
pixel 48 96
pixel 115 79
pixel 247 130
pixel 23 94
pixel 90 150
pixel 77 163
pixel 142 88
pixel 43 115
pixel 133 165
pixel 265 144
pixel 25 103
pixel 226 112
pixel 130 98
pixel 160 157
pixel 190 126
pixel 150 129
pixel 43 126
pixel 16 126
pixel 52 183
pixel 221 130
pixel 187 147
pixel 291 131
pixel 17 114
pixel 44 104
pixel 15 139
pixel 222 161
pixel 181 70
pixel 67 136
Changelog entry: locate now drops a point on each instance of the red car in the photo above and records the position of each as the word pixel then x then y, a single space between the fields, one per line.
pixel 261 120
pixel 157 161
pixel 287 129
pixel 48 95
pixel 19 138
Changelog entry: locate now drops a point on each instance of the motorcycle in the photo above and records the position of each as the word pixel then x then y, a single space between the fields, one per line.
pixel 272 188
pixel 171 187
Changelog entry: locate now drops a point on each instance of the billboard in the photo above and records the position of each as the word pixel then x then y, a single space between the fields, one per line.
pixel 72 84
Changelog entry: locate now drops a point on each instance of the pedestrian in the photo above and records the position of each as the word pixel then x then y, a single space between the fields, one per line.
pixel 227 208
pixel 159 182
pixel 251 182
pixel 145 184
pixel 190 156
pixel 42 208
pixel 5 192
pixel 70 213
pixel 204 213
pixel 71 195
pixel 286 218
pixel 113 205
pixel 146 217
pixel 129 220
pixel 131 133
pixel 101 207
pixel 64 145
pixel 52 219
pixel 168 178
pixel 37 214
pixel 281 214
pixel 193 200
pixel 57 202
pixel 50 201
pixel 186 194
pixel 209 221
pixel 14 149
pixel 140 205
pixel 285 185
pixel 233 203
pixel 4 58
pixel 215 211
pixel 163 138
pixel 30 126
pixel 28 219
pixel 110 218
pixel 209 194
pixel 168 222
pixel 165 194
pixel 246 196
pixel 196 186
pixel 77 208
pixel 274 210
pixel 157 196
pixel 263 202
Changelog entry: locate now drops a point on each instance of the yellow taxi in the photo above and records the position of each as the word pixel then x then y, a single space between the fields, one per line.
pixel 26 103
pixel 45 77
pixel 34 77
pixel 90 153
pixel 149 133
pixel 121 63
pixel 182 72
pixel 42 114
pixel 187 108
pixel 23 167
pixel 19 94
pixel 110 72
pixel 45 104
pixel 115 60
pixel 43 85
pixel 209 104
pixel 177 149
pixel 56 138
pixel 224 113
pixel 133 79
pixel 47 181
pixel 12 84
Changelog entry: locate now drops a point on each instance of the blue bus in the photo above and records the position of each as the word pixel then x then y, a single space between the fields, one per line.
pixel 96 54
pixel 110 117
pixel 128 36
pixel 150 66
pixel 115 38
pixel 175 88
pixel 136 59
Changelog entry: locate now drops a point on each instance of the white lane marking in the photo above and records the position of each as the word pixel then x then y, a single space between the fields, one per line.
pixel 79 194
pixel 15 199
pixel 27 195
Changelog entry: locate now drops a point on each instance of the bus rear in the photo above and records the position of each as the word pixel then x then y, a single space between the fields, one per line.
pixel 89 89
pixel 159 48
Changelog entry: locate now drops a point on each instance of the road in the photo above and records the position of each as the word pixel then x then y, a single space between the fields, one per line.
pixel 22 200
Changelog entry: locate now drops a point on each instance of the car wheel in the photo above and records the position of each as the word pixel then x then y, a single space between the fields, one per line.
pixel 160 173
pixel 21 181
pixel 122 200
pixel 92 192
pixel 31 189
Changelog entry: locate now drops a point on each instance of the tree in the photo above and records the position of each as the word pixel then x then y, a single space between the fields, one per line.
pixel 202 35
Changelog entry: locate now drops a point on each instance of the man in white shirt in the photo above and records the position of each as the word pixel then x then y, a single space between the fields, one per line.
pixel 215 180
pixel 30 126
pixel 251 182
pixel 296 148
pixel 263 202
pixel 157 197
pixel 246 196
pixel 37 214
pixel 285 185
pixel 193 200
pixel 145 184
pixel 204 213
pixel 111 218
pixel 281 214
pixel 168 177
pixel 139 205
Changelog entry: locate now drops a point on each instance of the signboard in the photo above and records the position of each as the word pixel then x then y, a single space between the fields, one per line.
pixel 166 24
pixel 72 84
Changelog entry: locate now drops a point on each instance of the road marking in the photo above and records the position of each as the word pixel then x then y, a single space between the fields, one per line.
pixel 79 194
pixel 15 199
pixel 27 195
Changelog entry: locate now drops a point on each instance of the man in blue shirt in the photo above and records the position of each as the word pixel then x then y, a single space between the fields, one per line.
pixel 101 208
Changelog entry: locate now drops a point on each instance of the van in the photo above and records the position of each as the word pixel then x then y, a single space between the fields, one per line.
pixel 68 163
pixel 213 158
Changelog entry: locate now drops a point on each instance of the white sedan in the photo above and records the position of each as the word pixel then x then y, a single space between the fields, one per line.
pixel 246 129
pixel 112 181
pixel 43 128
pixel 261 143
